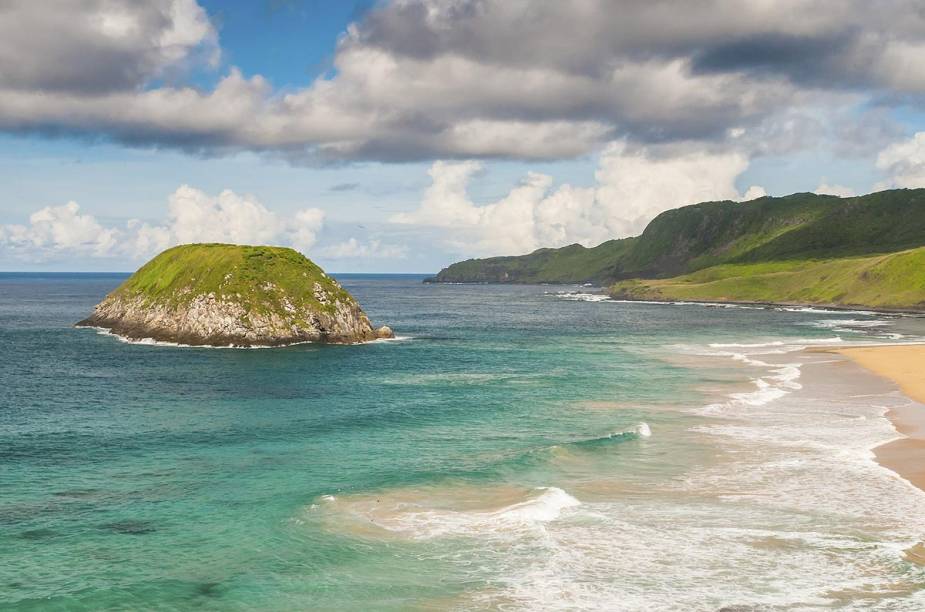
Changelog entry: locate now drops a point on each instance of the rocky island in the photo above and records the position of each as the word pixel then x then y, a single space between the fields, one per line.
pixel 231 295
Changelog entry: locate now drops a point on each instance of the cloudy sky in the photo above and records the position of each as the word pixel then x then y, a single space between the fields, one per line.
pixel 403 135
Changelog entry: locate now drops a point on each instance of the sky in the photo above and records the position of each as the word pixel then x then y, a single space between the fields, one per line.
pixel 403 135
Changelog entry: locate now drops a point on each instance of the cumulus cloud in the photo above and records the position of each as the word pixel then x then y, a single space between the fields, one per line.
pixel 304 228
pixel 374 249
pixel 59 228
pixel 418 79
pixel 195 216
pixel 96 46
pixel 192 216
pixel 904 163
pixel 841 191
pixel 753 193
pixel 632 186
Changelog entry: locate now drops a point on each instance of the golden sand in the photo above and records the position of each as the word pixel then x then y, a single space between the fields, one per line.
pixel 905 366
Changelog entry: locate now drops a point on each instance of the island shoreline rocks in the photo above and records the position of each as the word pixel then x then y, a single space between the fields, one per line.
pixel 105 331
pixel 229 295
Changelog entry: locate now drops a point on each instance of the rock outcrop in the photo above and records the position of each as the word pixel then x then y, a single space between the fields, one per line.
pixel 221 295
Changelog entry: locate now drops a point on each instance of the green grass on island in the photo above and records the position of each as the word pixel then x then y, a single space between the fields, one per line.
pixel 260 278
pixel 891 281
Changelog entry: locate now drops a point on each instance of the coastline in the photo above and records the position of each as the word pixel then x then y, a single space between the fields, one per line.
pixel 903 365
pixel 835 307
pixel 819 306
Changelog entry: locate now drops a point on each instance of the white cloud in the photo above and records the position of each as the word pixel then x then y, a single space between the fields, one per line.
pixel 841 191
pixel 192 216
pixel 304 228
pixel 903 163
pixel 195 216
pixel 89 47
pixel 753 193
pixel 418 79
pixel 633 186
pixel 59 228
pixel 374 249
pixel 144 240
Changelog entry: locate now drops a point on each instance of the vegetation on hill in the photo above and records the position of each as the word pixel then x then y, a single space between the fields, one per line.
pixel 570 264
pixel 680 241
pixel 257 277
pixel 891 281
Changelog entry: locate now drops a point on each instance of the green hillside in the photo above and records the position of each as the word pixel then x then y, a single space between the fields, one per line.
pixel 891 281
pixel 796 227
pixel 573 263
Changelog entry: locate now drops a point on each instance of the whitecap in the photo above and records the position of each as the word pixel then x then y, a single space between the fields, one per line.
pixel 392 339
pixel 772 343
pixel 423 523
pixel 577 296
pixel 848 323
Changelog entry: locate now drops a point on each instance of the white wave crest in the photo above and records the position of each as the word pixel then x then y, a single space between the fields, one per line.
pixel 392 339
pixel 427 524
pixel 578 296
pixel 772 343
pixel 849 323
pixel 780 380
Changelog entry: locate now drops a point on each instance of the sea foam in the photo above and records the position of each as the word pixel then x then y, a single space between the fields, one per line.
pixel 417 521
pixel 102 331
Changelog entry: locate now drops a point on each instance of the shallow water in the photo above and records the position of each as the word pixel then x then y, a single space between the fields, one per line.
pixel 526 448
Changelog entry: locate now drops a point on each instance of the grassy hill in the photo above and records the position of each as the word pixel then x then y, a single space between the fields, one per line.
pixel 890 281
pixel 801 226
pixel 261 278
pixel 570 264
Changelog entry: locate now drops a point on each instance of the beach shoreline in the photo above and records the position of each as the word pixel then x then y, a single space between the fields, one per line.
pixel 903 365
pixel 771 305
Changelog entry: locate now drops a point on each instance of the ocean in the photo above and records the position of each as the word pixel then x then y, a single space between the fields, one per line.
pixel 515 448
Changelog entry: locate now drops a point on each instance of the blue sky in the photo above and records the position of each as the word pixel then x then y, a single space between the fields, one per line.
pixel 404 136
pixel 291 42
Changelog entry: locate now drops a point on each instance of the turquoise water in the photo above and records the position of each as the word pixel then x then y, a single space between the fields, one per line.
pixel 500 454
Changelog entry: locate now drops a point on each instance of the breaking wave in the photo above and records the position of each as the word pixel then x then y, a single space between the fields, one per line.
pixel 417 521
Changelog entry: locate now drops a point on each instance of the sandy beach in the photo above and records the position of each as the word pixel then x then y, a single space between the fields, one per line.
pixel 905 366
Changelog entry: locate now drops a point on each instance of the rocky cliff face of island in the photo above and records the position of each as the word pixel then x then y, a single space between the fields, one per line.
pixel 220 295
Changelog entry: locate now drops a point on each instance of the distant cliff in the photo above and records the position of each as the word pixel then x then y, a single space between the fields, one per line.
pixel 570 264
pixel 222 294
pixel 684 240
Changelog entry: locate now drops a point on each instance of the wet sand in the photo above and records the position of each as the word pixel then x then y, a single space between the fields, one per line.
pixel 905 366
